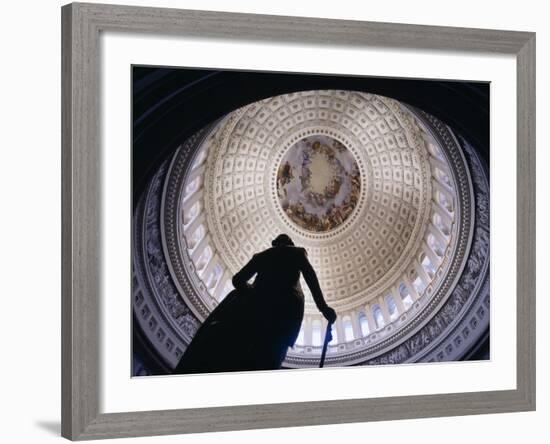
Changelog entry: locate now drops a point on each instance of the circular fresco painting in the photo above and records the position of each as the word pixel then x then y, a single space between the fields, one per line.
pixel 318 183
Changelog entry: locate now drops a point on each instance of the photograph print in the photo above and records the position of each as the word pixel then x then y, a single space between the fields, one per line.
pixel 286 221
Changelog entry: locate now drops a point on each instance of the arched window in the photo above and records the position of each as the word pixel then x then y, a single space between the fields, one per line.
pixel 348 328
pixel 204 258
pixel 199 159
pixel 378 317
pixel 192 187
pixel 405 296
pixel 446 203
pixel 436 247
pixel 196 237
pixel 227 287
pixel 435 151
pixel 442 176
pixel 214 277
pixel 301 336
pixel 190 215
pixel 334 340
pixel 438 222
pixel 316 333
pixel 418 283
pixel 427 265
pixel 364 323
pixel 392 307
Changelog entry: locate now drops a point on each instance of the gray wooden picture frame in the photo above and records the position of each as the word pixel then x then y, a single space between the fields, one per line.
pixel 81 172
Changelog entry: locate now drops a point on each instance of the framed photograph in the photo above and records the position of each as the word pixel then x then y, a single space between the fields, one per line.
pixel 249 198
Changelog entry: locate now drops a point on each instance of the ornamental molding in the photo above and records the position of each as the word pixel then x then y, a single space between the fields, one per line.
pixel 164 318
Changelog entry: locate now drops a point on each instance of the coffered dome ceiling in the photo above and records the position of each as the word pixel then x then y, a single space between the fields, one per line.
pixel 378 193
pixel 379 212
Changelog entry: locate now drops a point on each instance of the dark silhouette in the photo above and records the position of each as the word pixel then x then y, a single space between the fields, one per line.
pixel 252 328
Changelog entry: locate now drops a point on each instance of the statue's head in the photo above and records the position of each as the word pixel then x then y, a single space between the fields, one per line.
pixel 282 240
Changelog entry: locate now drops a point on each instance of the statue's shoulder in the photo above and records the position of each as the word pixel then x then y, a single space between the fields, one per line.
pixel 289 250
pixel 297 251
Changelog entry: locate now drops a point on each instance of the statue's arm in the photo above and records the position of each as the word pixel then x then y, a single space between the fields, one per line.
pixel 313 283
pixel 241 278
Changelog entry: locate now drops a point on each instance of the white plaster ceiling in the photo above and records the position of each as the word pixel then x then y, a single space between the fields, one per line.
pixel 364 256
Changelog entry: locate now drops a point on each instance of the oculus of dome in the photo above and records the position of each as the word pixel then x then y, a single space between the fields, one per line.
pixel 318 183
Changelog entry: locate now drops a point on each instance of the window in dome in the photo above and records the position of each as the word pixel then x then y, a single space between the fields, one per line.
pixel 227 287
pixel 199 159
pixel 438 222
pixel 316 333
pixel 204 258
pixel 418 284
pixel 392 307
pixel 405 296
pixel 196 237
pixel 435 245
pixel 442 177
pixel 427 265
pixel 364 323
pixel 442 199
pixel 215 276
pixel 301 336
pixel 378 317
pixel 435 151
pixel 348 329
pixel 334 340
pixel 192 187
pixel 191 214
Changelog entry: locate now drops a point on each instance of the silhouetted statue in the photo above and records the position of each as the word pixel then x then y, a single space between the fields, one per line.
pixel 252 328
